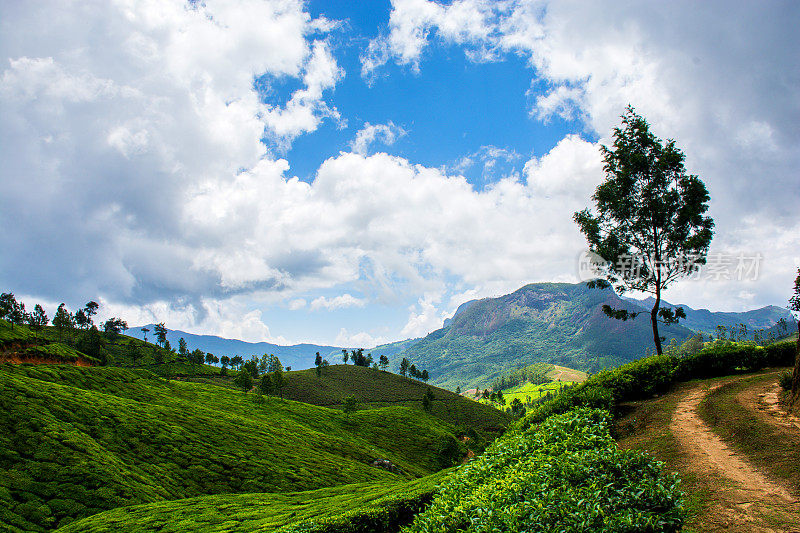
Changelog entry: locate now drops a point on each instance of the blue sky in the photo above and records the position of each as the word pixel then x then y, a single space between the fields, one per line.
pixel 350 172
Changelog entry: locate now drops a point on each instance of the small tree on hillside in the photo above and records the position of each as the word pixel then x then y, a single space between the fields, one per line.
pixel 244 380
pixel 236 361
pixel 265 385
pixel 82 319
pixel 183 348
pixel 7 304
pixel 794 306
pixel 114 326
pixel 349 405
pixel 345 355
pixel 383 362
pixel 650 227
pixel 427 400
pixel 318 364
pixel 37 319
pixel 145 331
pixel 404 364
pixel 90 310
pixel 63 319
pixel 160 331
pixel 278 380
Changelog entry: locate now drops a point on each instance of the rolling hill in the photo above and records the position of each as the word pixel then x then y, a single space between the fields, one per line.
pixel 77 441
pixel 374 388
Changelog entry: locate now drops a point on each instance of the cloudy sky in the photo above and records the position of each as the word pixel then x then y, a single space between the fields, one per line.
pixel 350 172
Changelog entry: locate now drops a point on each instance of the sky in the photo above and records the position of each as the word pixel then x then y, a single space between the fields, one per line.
pixel 348 173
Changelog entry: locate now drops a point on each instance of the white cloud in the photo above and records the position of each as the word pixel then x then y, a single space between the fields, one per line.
pixel 423 317
pixel 411 23
pixel 385 133
pixel 362 339
pixel 725 92
pixel 297 304
pixel 573 167
pixel 134 171
pixel 306 108
pixel 337 302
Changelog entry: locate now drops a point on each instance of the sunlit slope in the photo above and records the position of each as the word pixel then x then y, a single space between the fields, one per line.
pixel 259 511
pixel 77 441
pixel 376 388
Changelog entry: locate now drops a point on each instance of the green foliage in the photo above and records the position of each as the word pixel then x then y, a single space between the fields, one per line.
pixel 349 404
pixel 785 381
pixel 244 380
pixel 427 400
pixel 77 441
pixel 565 475
pixel 537 373
pixel 650 226
pixel 92 344
pixel 364 507
pixel 656 374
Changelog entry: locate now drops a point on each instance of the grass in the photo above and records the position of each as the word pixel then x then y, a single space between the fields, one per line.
pixel 254 511
pixel 77 441
pixel 768 446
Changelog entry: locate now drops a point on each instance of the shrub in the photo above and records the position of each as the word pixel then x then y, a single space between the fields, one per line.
pixel 567 474
pixel 785 381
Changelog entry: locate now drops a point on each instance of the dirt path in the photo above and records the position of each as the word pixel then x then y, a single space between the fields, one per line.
pixel 744 498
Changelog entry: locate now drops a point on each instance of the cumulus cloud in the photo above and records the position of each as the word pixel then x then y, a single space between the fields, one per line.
pixel 134 168
pixel 362 339
pixel 728 94
pixel 109 147
pixel 337 302
pixel 385 133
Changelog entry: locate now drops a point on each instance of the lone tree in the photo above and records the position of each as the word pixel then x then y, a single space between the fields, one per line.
pixel 244 380
pixel 650 228
pixel 427 400
pixel 794 305
pixel 160 331
pixel 404 364
pixel 349 405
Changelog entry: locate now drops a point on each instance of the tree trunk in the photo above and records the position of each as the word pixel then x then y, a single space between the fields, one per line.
pixel 796 373
pixel 654 322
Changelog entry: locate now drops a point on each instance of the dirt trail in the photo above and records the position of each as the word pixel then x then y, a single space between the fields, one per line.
pixel 749 500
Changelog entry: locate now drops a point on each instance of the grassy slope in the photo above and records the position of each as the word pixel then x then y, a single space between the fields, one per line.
pixel 76 441
pixel 248 512
pixel 374 388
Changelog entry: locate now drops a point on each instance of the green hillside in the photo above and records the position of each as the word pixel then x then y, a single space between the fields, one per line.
pixel 558 323
pixel 258 511
pixel 76 441
pixel 374 388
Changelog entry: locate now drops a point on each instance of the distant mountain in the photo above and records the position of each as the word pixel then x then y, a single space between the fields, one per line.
pixel 298 356
pixel 705 321
pixel 557 323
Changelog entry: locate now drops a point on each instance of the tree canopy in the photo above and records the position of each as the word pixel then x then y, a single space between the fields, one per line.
pixel 650 228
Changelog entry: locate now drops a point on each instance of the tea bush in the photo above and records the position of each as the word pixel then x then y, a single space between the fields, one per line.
pixel 566 474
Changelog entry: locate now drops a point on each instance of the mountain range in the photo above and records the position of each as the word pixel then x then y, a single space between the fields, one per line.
pixel 558 323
